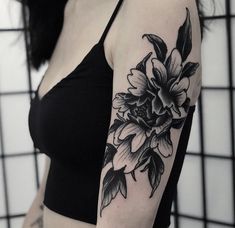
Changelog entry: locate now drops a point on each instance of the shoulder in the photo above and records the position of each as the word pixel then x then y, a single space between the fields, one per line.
pixel 156 13
pixel 155 16
pixel 149 8
pixel 170 28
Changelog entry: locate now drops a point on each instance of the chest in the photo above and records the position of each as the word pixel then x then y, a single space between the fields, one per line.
pixel 82 27
pixel 74 113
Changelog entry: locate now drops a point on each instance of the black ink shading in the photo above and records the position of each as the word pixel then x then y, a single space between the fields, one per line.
pixel 154 104
pixel 38 223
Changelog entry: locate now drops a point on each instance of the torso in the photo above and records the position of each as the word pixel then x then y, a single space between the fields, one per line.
pixel 84 22
pixel 53 219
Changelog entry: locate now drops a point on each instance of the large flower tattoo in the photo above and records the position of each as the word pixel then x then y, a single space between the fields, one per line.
pixel 155 103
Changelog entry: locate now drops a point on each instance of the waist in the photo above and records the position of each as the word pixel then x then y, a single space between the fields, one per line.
pixel 53 219
pixel 73 191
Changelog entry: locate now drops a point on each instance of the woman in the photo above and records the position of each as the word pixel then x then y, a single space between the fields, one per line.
pixel 114 109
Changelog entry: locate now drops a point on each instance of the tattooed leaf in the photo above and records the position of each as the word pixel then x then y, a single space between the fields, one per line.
pixel 113 182
pixel 189 69
pixel 178 123
pixel 143 158
pixel 186 104
pixel 155 171
pixel 133 175
pixel 123 187
pixel 155 168
pixel 121 118
pixel 145 168
pixel 184 41
pixel 109 153
pixel 142 65
pixel 164 144
pixel 115 125
pixel 158 45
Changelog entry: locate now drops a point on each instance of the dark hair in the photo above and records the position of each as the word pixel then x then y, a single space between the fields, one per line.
pixel 44 22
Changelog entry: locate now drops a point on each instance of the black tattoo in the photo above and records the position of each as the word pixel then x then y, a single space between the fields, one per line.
pixel 156 102
pixel 38 223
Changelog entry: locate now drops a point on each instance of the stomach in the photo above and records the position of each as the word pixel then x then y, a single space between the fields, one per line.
pixel 52 219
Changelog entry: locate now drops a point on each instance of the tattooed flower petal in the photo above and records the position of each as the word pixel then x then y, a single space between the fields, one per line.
pixel 139 82
pixel 139 135
pixel 162 144
pixel 166 97
pixel 163 124
pixel 116 139
pixel 178 113
pixel 159 72
pixel 182 85
pixel 180 98
pixel 157 105
pixel 178 91
pixel 174 64
pixel 120 103
pixel 124 157
pixel 154 142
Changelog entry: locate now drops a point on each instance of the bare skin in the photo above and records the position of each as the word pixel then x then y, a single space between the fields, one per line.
pixel 83 25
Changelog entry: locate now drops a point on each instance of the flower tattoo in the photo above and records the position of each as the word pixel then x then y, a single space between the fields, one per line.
pixel 156 102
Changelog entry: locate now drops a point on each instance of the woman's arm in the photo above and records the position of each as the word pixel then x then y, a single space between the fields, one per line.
pixel 156 71
pixel 34 217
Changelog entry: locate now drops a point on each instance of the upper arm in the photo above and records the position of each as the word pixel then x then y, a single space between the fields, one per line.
pixel 156 79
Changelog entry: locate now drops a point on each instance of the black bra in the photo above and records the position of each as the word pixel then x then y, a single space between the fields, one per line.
pixel 70 124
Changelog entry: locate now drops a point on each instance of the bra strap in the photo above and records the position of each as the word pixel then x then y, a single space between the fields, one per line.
pixel 110 21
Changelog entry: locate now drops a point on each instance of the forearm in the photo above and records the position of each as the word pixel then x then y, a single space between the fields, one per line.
pixel 34 217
